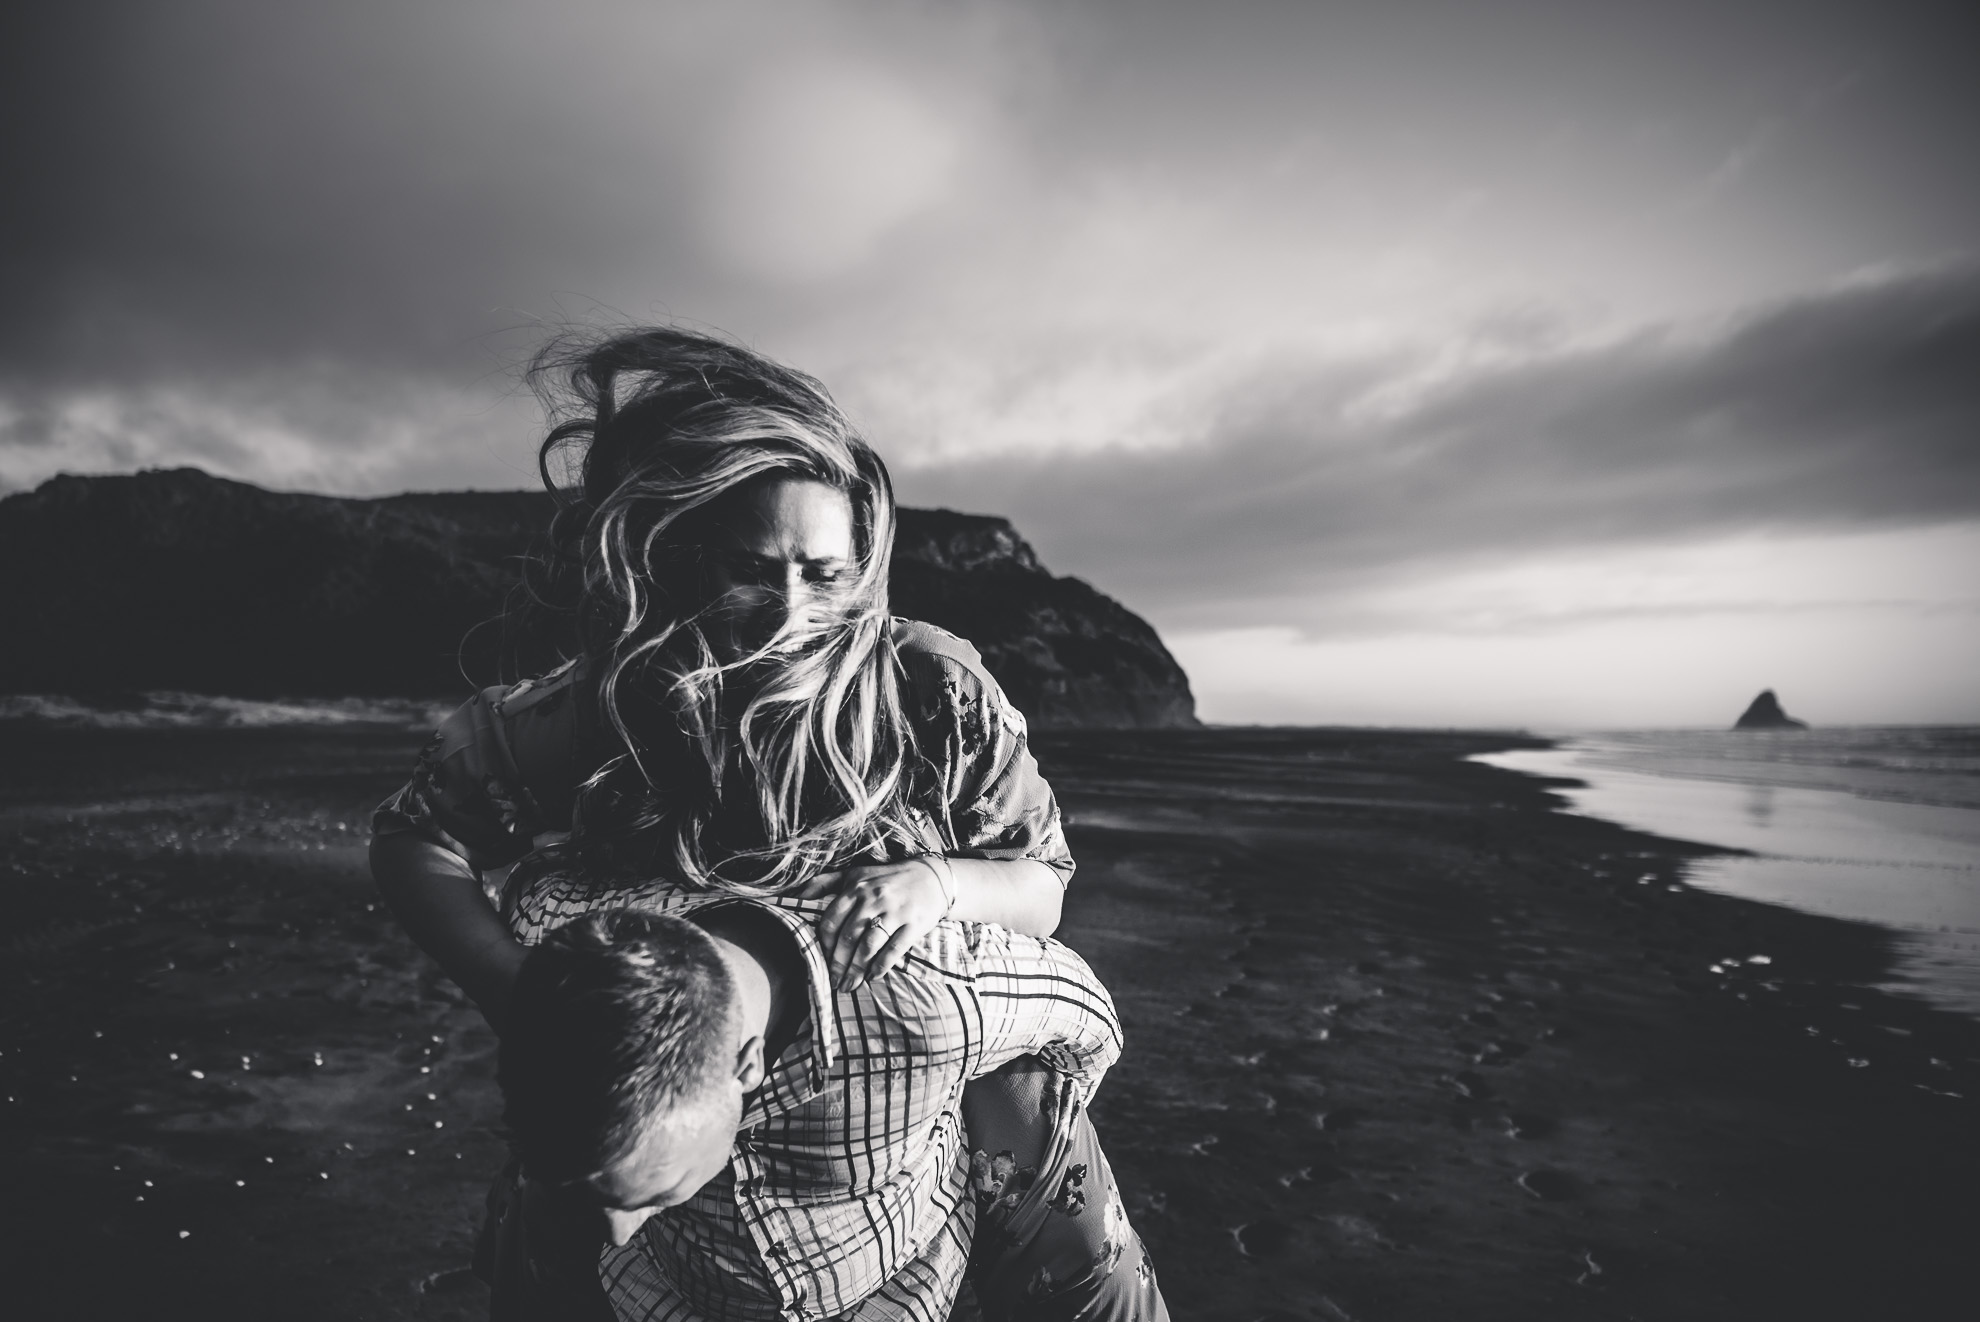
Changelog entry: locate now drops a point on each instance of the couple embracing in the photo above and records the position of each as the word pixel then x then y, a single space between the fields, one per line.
pixel 757 889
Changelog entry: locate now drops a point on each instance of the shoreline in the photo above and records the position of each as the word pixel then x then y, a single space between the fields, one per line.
pixel 1403 1041
pixel 1511 1079
pixel 1859 829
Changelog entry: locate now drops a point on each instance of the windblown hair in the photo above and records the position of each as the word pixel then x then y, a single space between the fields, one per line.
pixel 744 774
pixel 617 1017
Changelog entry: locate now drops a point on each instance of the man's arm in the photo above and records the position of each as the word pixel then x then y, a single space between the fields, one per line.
pixel 1040 999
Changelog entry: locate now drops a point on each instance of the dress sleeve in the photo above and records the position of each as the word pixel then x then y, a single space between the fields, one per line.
pixel 496 776
pixel 997 803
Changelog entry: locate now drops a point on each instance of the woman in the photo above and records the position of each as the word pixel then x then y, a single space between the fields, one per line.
pixel 742 715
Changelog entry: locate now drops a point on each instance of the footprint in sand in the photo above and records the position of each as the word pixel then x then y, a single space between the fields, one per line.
pixel 1470 1086
pixel 1548 1186
pixel 1318 1173
pixel 451 1281
pixel 1528 1125
pixel 1262 1239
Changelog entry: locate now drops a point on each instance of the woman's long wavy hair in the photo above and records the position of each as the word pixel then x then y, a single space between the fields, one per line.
pixel 738 773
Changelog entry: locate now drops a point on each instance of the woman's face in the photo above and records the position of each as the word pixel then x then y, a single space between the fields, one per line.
pixel 779 549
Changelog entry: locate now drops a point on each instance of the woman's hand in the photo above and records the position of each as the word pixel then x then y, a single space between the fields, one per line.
pixel 880 911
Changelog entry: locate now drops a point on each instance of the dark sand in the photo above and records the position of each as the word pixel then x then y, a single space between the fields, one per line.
pixel 1402 1043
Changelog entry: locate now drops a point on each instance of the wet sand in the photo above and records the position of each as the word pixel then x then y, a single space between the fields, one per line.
pixel 1402 1043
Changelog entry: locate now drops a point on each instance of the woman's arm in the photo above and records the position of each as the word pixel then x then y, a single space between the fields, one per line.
pixel 882 909
pixel 472 804
pixel 1022 894
pixel 438 899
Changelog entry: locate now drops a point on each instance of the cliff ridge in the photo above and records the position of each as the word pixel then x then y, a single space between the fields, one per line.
pixel 175 579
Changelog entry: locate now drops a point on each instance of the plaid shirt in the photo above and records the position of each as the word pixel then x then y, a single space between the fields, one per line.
pixel 846 1189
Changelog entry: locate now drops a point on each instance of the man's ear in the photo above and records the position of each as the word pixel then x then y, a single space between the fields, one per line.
pixel 750 1068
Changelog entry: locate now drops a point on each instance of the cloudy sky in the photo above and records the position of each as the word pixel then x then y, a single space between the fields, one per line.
pixel 1549 362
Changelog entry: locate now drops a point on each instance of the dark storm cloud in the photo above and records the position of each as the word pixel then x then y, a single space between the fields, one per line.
pixel 1855 409
pixel 311 244
pixel 218 186
pixel 283 240
pixel 208 184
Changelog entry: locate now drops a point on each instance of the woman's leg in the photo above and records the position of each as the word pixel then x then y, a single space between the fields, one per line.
pixel 1052 1238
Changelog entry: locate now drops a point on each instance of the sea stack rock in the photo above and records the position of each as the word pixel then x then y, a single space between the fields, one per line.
pixel 1765 713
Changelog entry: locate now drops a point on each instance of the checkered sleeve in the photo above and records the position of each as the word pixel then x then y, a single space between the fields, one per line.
pixel 1040 999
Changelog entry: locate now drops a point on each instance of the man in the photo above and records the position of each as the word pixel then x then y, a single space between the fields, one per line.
pixel 759 1146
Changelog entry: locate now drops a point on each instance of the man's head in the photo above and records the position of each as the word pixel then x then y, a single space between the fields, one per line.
pixel 625 1062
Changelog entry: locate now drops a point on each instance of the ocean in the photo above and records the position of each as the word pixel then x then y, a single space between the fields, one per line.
pixel 1873 824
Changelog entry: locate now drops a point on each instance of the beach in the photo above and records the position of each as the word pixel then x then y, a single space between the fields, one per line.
pixel 1403 1041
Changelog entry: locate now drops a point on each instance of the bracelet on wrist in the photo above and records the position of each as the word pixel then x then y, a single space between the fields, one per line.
pixel 945 881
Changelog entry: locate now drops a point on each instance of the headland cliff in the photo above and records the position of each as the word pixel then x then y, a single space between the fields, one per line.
pixel 175 579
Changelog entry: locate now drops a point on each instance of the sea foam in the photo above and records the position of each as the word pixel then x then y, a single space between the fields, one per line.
pixel 191 711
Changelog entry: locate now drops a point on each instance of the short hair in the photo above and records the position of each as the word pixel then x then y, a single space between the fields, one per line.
pixel 616 1017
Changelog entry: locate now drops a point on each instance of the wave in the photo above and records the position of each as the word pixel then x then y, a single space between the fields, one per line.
pixel 204 711
pixel 1911 764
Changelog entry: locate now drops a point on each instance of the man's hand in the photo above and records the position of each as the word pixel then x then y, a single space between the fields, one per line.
pixel 880 911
